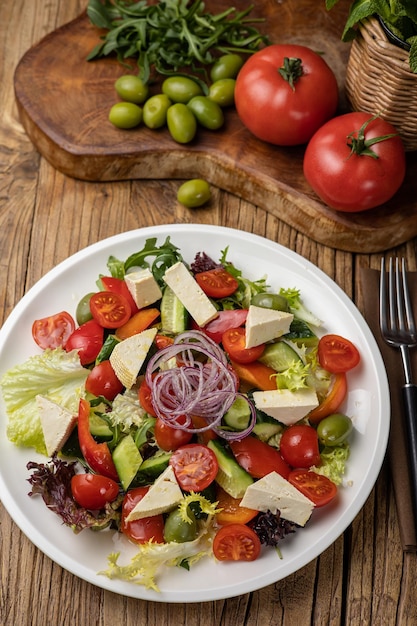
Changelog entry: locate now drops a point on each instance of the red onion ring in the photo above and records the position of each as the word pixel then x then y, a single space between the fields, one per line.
pixel 202 387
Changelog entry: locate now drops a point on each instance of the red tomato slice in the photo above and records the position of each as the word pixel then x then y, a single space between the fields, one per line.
pixel 337 354
pixel 233 341
pixel 109 309
pixel 88 340
pixel 332 401
pixel 319 489
pixel 145 398
pixel 93 491
pixel 163 341
pixel 258 458
pixel 236 542
pixel 102 381
pixel 170 438
pixel 53 331
pixel 217 283
pixel 230 510
pixel 118 285
pixel 145 529
pixel 299 445
pixel 232 318
pixel 195 466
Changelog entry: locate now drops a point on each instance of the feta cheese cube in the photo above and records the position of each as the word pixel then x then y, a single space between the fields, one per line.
pixel 275 493
pixel 190 294
pixel 263 325
pixel 129 355
pixel 164 495
pixel 57 424
pixel 288 407
pixel 143 287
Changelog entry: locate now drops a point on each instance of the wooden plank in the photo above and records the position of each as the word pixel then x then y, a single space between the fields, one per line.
pixel 64 102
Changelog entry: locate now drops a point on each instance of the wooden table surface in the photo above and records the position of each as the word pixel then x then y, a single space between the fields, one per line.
pixel 364 578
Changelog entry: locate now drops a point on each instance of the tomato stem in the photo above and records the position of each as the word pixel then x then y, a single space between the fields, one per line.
pixel 291 71
pixel 360 145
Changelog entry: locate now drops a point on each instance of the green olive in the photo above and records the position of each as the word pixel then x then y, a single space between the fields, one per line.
pixel 223 92
pixel 270 301
pixel 334 429
pixel 83 313
pixel 155 110
pixel 226 66
pixel 194 193
pixel 207 112
pixel 181 88
pixel 125 115
pixel 182 123
pixel 178 530
pixel 131 89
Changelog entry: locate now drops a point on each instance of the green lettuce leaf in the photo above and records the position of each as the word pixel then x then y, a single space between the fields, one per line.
pixel 55 374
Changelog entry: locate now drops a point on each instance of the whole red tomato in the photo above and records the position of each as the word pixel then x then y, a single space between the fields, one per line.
pixel 348 169
pixel 284 93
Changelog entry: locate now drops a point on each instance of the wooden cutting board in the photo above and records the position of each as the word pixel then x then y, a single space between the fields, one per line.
pixel 64 102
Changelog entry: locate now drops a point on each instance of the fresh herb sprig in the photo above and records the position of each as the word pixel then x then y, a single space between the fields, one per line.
pixel 172 35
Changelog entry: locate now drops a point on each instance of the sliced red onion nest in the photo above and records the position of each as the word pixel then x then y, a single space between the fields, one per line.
pixel 202 385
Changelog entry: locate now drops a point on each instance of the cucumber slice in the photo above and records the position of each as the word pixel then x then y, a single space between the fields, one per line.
pixel 231 476
pixel 174 316
pixel 238 416
pixel 151 468
pixel 279 355
pixel 301 334
pixel 127 460
pixel 99 427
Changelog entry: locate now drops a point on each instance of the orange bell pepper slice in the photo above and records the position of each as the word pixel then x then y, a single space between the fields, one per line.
pixel 138 322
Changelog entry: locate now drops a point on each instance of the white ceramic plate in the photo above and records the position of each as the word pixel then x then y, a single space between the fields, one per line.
pixel 368 404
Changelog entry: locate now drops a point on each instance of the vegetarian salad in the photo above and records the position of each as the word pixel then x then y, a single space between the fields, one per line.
pixel 189 408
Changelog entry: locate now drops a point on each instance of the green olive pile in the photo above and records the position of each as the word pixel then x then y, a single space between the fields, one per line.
pixel 184 103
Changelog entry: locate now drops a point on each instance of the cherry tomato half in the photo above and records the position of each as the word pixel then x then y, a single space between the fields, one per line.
pixel 233 341
pixel 145 529
pixel 319 489
pixel 195 466
pixel 230 318
pixel 299 445
pixel 102 381
pixel 110 309
pixel 258 458
pixel 337 354
pixel 53 331
pixel 93 491
pixel 236 542
pixel 217 283
pixel 332 401
pixel 118 285
pixel 88 340
pixel 170 438
pixel 230 510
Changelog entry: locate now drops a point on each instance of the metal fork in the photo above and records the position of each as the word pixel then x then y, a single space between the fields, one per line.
pixel 398 329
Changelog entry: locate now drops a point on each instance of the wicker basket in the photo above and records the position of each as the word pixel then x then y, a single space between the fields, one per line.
pixel 379 81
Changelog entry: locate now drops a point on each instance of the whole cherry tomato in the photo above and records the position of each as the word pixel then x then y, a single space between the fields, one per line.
pixel 299 445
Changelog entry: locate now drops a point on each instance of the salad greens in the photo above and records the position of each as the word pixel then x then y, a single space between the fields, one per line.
pixel 54 373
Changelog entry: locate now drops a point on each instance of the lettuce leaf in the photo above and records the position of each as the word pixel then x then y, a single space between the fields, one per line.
pixel 55 374
pixel 145 566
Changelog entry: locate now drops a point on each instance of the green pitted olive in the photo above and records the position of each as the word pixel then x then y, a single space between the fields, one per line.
pixel 182 123
pixel 131 89
pixel 270 301
pixel 223 92
pixel 194 193
pixel 83 313
pixel 125 115
pixel 178 530
pixel 155 110
pixel 334 429
pixel 207 112
pixel 226 66
pixel 181 88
